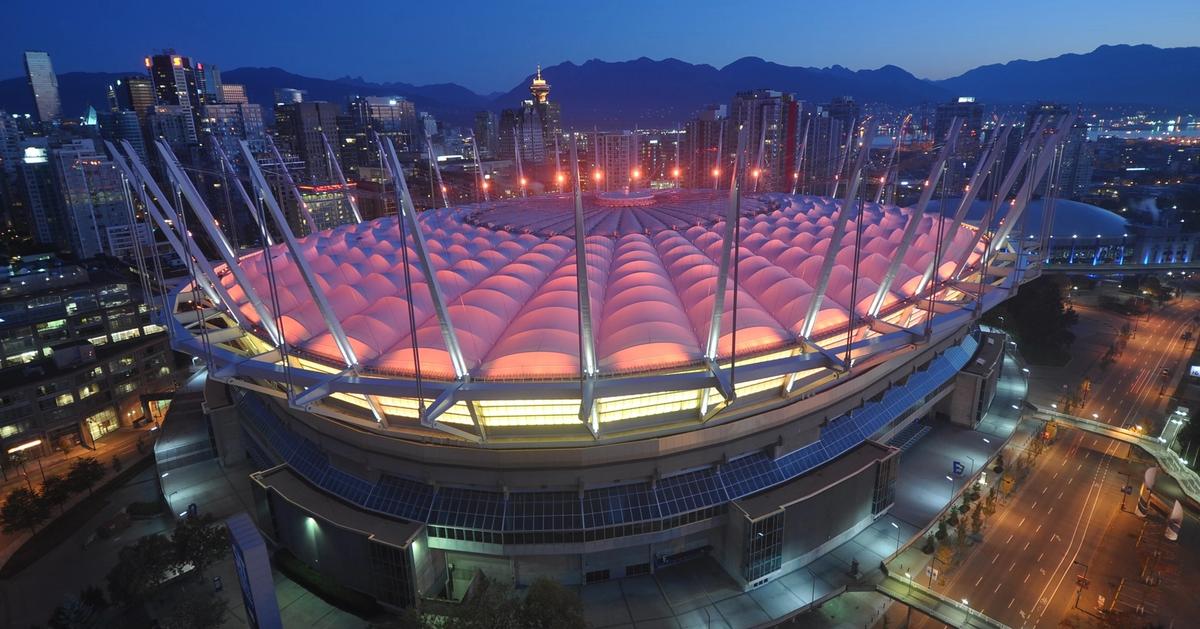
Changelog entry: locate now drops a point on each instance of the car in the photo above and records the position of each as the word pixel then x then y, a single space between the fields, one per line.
pixel 1165 372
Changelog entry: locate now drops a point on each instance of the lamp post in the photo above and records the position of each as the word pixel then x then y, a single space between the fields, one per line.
pixel 951 479
pixel 897 527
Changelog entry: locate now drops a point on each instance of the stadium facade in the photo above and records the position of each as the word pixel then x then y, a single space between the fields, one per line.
pixel 587 387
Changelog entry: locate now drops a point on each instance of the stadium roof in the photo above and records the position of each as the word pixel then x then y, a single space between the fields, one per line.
pixel 508 277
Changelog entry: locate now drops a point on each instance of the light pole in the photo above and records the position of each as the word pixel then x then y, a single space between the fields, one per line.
pixel 897 527
pixel 968 606
pixel 908 615
pixel 951 479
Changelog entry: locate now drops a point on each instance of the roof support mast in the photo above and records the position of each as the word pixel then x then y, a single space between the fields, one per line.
pixel 915 216
pixel 437 169
pixel 287 176
pixel 1044 159
pixel 587 340
pixel 891 159
pixel 136 172
pixel 237 183
pixel 332 323
pixel 732 216
pixel 481 182
pixel 176 175
pixel 835 240
pixel 337 170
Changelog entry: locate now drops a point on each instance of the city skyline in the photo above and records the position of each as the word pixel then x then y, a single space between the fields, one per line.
pixel 485 58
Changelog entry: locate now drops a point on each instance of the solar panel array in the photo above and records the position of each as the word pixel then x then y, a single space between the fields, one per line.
pixel 683 493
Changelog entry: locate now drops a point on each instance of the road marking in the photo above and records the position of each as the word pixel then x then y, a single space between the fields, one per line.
pixel 1014 565
pixel 1044 489
pixel 1060 495
pixel 1013 600
pixel 1021 522
pixel 1009 538
pixel 997 588
pixel 1039 528
pixel 1034 505
pixel 1026 546
pixel 1027 578
pixel 1050 511
pixel 1040 556
pixel 1055 476
pixel 1070 479
pixel 995 558
pixel 979 580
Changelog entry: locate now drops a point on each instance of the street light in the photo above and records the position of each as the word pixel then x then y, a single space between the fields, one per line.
pixel 951 479
pixel 897 527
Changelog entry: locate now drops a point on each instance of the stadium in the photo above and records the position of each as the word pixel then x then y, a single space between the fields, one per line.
pixel 590 386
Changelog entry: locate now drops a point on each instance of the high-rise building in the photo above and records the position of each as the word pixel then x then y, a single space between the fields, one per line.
pixel 95 209
pixel 42 217
pixel 174 123
pixel 702 140
pixel 532 128
pixel 823 148
pixel 288 96
pixel 844 109
pixel 230 123
pixel 298 128
pixel 132 93
pixel 618 157
pixel 390 117
pixel 487 133
pixel 44 85
pixel 1076 165
pixel 176 83
pixel 123 125
pixel 658 157
pixel 233 93
pixel 961 163
pixel 771 121
pixel 210 82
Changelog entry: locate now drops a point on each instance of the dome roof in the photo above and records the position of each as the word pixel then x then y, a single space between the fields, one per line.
pixel 1070 218
pixel 508 276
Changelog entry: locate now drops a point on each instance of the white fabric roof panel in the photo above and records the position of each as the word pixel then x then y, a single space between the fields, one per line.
pixel 507 273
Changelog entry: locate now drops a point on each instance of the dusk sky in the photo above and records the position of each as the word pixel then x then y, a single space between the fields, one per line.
pixel 489 46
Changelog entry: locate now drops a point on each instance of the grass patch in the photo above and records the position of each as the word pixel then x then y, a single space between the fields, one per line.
pixel 59 529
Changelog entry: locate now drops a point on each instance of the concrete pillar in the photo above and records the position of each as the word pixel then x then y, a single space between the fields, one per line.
pixel 226 427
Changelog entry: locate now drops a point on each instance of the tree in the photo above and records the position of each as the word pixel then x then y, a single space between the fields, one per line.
pixel 141 568
pixel 977 519
pixel 23 509
pixel 960 532
pixel 56 490
pixel 85 473
pixel 199 542
pixel 489 605
pixel 549 605
pixel 198 609
pixel 941 530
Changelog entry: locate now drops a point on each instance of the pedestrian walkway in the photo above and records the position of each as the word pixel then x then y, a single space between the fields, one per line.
pixel 951 612
pixel 1157 447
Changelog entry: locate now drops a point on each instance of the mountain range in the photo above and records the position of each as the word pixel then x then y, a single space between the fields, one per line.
pixel 646 93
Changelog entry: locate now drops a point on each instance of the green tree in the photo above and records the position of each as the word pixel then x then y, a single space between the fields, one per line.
pixel 56 490
pixel 23 509
pixel 200 542
pixel 977 519
pixel 141 568
pixel 549 605
pixel 941 530
pixel 960 532
pixel 489 605
pixel 199 608
pixel 85 473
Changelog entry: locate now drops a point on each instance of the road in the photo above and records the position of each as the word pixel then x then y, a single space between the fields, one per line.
pixel 1130 391
pixel 1023 573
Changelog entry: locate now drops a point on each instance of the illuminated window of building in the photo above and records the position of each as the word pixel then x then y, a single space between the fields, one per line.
pixel 98 340
pixel 127 387
pixel 88 390
pixel 65 399
pixel 124 335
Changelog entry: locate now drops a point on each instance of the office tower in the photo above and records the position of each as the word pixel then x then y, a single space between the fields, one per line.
pixel 771 123
pixel 230 123
pixel 210 82
pixel 233 93
pixel 177 83
pixel 965 151
pixel 44 85
pixel 42 217
pixel 532 127
pixel 487 133
pixel 288 96
pixel 298 129
pixel 132 93
pixel 391 117
pixel 174 123
pixel 844 110
pixel 822 148
pixel 95 209
pixel 657 154
pixel 1076 164
pixel 12 206
pixel 702 140
pixel 123 125
pixel 617 157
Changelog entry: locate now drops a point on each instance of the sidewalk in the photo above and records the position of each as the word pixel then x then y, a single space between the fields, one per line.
pixel 699 594
pixel 121 443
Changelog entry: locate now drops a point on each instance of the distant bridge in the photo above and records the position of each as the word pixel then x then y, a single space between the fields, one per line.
pixel 1115 269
